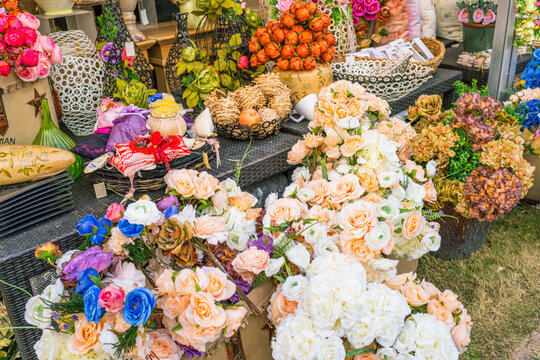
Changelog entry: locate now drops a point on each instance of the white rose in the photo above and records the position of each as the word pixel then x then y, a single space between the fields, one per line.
pixel 270 200
pixel 234 218
pixel 361 334
pixel 49 345
pixel 349 122
pixel 378 237
pixel 313 233
pixel 344 169
pixel 387 179
pixel 305 194
pixel 399 193
pixel 187 214
pixel 291 190
pixel 431 168
pixel 302 173
pixel 386 354
pixel 324 311
pixel 379 270
pixel 415 192
pixel 389 150
pixel 334 175
pixel 331 349
pixel 387 327
pixel 274 265
pixel 53 293
pixel 294 287
pixel 108 340
pixel 142 212
pixel 387 209
pixel 37 313
pixel 324 246
pixel 299 256
pixel 64 259
pixel 231 187
pixel 431 241
pixel 237 239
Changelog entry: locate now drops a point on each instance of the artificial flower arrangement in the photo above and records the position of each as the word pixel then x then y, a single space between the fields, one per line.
pixel 297 41
pixel 527 24
pixel 333 312
pixel 22 47
pixel 482 12
pixel 369 17
pixel 478 154
pixel 152 280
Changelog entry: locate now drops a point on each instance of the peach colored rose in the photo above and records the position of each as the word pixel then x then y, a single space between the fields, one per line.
pixel 368 356
pixel 341 111
pixel 313 141
pixel 413 225
pixel 322 214
pixel 197 337
pixel 162 346
pixel 430 289
pixel 173 305
pixel 321 189
pixel 280 307
pixel 86 336
pixel 387 250
pixel 116 322
pixel 372 198
pixel 461 334
pixel 204 188
pixel 182 181
pixel 378 104
pixel 411 166
pixel 203 311
pixel 335 137
pixel 211 228
pixel 219 286
pixel 208 334
pixel 357 107
pixel 251 260
pixel 116 242
pixel 234 319
pixel 346 188
pixel 398 281
pixel 352 145
pixel 325 94
pixel 354 245
pixel 332 153
pixel 435 308
pixel 449 300
pixel 285 209
pixel 341 98
pixel 298 152
pixel 252 214
pixel 415 294
pixel 325 106
pixel 165 283
pixel 243 201
pixel 368 179
pixel 322 119
pixel 188 281
pixel 386 128
pixel 357 216
pixel 431 193
pixel 220 199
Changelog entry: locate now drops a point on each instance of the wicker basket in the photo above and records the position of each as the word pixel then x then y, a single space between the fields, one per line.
pixel 256 131
pixel 536 44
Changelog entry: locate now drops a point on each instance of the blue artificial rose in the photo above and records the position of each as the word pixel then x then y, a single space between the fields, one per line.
pixel 104 225
pixel 531 114
pixel 171 210
pixel 85 282
pixel 536 56
pixel 157 96
pixel 92 310
pixel 138 306
pixel 87 225
pixel 128 229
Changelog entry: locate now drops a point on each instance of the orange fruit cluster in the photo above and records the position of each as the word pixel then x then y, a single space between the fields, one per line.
pixel 296 41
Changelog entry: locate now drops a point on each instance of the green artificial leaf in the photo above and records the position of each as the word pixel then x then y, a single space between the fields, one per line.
pixel 360 352
pixel 226 80
pixel 221 65
pixel 236 55
pixel 236 40
pixel 186 93
pixel 181 67
pixel 232 66
pixel 193 101
pixel 222 53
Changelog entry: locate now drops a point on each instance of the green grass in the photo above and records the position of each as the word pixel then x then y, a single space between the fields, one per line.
pixel 499 284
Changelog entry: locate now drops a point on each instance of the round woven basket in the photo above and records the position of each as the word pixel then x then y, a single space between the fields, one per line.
pixel 536 44
pixel 460 237
pixel 257 131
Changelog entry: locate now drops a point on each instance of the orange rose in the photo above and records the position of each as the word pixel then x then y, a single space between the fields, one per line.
pixel 430 289
pixel 251 260
pixel 287 52
pixel 285 210
pixel 368 356
pixel 352 145
pixel 296 63
pixel 219 286
pixel 252 214
pixel 322 214
pixel 243 201
pixel 298 152
pixel 203 311
pixel 313 141
pixel 354 245
pixel 358 216
pixel 321 190
pixel 182 181
pixel 280 307
pixel 302 50
pixel 372 197
pixel 272 50
pixel 416 296
pixel 86 336
pixel 188 281
pixel 234 320
pixel 162 346
pixel 211 228
pixel 398 281
pixel 368 179
pixel 450 301
pixel 431 193
pixel 438 310
pixel 173 305
pixel 346 188
pixel 342 111
pixel 413 225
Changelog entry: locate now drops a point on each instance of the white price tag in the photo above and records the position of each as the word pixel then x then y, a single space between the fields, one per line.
pixel 100 190
pixel 144 17
pixel 130 49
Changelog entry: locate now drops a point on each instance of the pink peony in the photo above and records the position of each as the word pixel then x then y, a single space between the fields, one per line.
pixel 30 36
pixel 29 57
pixel 27 74
pixel 243 62
pixel 112 298
pixel 114 212
pixel 3 46
pixel 5 68
pixel 56 55
pixel 478 16
pixel 14 38
pixel 47 44
pixel 14 23
pixel 463 16
pixel 3 22
pixel 44 66
pixel 489 18
pixel 28 20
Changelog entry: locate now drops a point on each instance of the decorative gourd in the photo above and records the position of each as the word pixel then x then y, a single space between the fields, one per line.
pixel 21 163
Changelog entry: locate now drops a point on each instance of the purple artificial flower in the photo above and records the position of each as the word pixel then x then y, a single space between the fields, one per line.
pixel 463 16
pixel 94 258
pixel 478 16
pixel 190 352
pixel 130 124
pixel 242 285
pixel 111 53
pixel 167 202
pixel 264 242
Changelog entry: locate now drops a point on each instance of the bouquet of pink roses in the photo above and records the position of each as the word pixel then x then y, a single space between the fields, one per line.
pixel 477 11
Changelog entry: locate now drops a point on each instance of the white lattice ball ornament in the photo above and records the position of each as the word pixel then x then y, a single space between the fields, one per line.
pixel 342 29
pixel 78 80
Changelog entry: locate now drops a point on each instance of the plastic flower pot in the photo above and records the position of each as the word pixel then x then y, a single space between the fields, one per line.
pixel 460 237
pixel 477 37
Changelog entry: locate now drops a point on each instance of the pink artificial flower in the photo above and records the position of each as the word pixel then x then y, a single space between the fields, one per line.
pixel 463 16
pixel 243 62
pixel 489 18
pixel 128 59
pixel 478 16
pixel 114 212
pixel 47 44
pixel 3 46
pixel 5 68
pixel 44 66
pixel 30 36
pixel 284 5
pixel 29 57
pixel 3 22
pixel 27 74
pixel 112 298
pixel 14 23
pixel 536 21
pixel 28 20
pixel 13 38
pixel 56 55
pixel 372 7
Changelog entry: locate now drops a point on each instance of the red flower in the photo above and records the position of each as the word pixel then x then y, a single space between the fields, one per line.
pixel 243 62
pixel 13 37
